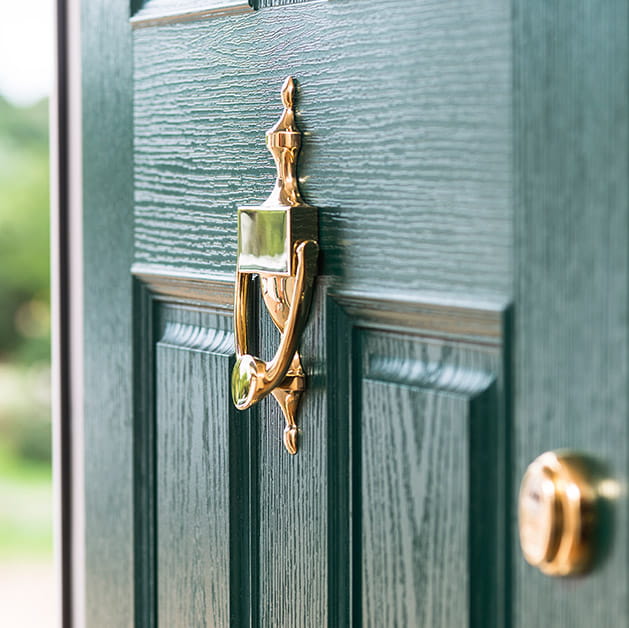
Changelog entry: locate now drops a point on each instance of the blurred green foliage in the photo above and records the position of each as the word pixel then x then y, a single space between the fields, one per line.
pixel 25 434
pixel 24 233
pixel 24 281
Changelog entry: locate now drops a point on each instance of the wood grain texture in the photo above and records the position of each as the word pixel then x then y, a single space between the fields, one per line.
pixel 415 570
pixel 293 500
pixel 314 557
pixel 194 417
pixel 473 321
pixel 406 153
pixel 572 339
pixel 107 164
pixel 438 135
pixel 216 293
pixel 430 475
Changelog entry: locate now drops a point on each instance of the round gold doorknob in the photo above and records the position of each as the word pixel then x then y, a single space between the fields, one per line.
pixel 557 513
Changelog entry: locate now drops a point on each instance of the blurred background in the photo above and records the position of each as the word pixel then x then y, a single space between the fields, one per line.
pixel 27 586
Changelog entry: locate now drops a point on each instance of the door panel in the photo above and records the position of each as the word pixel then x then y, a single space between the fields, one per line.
pixel 204 92
pixel 469 163
pixel 292 497
pixel 430 459
pixel 193 421
pixel 192 463
pixel 405 106
pixel 572 251
pixel 398 486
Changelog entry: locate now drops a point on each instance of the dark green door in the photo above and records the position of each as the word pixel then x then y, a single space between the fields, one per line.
pixel 469 163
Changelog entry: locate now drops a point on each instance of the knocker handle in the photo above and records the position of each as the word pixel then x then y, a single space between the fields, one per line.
pixel 252 378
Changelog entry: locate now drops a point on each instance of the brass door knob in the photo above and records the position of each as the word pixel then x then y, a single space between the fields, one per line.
pixel 558 513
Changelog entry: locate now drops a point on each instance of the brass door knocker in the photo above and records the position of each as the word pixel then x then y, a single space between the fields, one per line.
pixel 277 241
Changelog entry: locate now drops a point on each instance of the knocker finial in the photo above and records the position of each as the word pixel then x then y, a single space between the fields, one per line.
pixel 288 92
pixel 284 142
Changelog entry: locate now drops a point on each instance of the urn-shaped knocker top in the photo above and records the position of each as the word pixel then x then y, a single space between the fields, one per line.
pixel 284 142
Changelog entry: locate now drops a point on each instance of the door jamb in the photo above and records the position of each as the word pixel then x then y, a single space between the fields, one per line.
pixel 66 302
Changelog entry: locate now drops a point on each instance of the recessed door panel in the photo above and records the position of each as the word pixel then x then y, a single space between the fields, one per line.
pixel 430 482
pixel 193 480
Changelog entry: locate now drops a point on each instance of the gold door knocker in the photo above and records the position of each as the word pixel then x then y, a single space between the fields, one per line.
pixel 276 241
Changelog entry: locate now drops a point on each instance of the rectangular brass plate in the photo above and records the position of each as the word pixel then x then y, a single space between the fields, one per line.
pixel 263 240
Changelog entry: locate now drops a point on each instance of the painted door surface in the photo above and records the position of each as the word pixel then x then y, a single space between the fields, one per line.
pixel 469 163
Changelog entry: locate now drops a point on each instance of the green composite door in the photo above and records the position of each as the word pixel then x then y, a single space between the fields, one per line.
pixel 469 163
